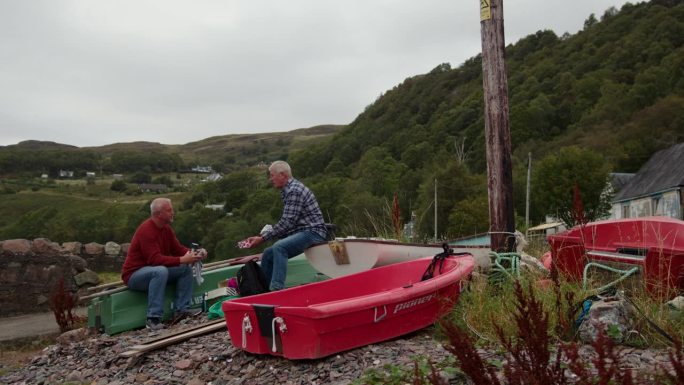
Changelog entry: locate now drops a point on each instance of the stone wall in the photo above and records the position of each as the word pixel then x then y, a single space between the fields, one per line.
pixel 107 257
pixel 31 270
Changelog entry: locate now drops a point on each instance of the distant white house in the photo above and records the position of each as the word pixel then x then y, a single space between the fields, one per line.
pixel 409 227
pixel 215 207
pixel 66 174
pixel 117 176
pixel 551 226
pixel 90 174
pixel 153 188
pixel 202 169
pixel 44 176
pixel 214 177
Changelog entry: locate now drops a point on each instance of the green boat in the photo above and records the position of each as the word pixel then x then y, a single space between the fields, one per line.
pixel 126 310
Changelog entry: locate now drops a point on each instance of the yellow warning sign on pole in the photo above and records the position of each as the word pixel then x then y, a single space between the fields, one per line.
pixel 485 10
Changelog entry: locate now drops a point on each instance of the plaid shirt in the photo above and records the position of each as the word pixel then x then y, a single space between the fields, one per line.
pixel 301 212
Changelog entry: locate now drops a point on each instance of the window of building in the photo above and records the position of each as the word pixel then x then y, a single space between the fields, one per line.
pixel 657 205
pixel 625 211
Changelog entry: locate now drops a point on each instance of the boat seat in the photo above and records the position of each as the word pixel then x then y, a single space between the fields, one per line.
pixel 618 257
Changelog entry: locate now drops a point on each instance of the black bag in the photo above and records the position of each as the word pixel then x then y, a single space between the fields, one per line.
pixel 251 280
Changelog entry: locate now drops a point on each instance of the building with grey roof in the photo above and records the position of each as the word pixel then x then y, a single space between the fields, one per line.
pixel 657 189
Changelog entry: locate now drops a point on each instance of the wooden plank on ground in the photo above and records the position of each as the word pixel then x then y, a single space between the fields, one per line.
pixel 174 338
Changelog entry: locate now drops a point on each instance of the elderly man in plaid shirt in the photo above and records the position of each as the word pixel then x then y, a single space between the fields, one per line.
pixel 300 226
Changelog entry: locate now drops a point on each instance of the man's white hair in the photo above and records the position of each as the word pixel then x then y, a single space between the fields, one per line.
pixel 280 166
pixel 158 203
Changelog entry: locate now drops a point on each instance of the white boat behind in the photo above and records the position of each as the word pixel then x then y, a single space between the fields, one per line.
pixel 345 256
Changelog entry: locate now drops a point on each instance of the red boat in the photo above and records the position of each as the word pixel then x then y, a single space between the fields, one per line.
pixel 652 245
pixel 323 318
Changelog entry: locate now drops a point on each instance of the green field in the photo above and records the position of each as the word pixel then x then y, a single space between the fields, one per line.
pixel 73 210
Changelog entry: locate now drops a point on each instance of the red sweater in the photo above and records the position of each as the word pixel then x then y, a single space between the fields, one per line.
pixel 152 246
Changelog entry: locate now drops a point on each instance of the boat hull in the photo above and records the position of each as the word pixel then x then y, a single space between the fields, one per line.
pixel 345 256
pixel 655 245
pixel 327 317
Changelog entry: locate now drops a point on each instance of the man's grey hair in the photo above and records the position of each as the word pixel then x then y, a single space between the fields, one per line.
pixel 158 203
pixel 280 166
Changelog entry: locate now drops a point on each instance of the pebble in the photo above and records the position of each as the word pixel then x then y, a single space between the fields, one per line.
pixel 211 359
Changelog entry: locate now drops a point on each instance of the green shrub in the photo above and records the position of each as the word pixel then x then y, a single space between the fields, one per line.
pixel 118 185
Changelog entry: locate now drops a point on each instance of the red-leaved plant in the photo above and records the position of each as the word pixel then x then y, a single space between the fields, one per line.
pixel 396 217
pixel 62 304
pixel 536 358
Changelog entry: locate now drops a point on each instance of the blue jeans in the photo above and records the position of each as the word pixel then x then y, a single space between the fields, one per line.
pixel 274 259
pixel 153 280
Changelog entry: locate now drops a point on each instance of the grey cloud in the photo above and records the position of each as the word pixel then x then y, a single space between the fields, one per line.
pixel 97 72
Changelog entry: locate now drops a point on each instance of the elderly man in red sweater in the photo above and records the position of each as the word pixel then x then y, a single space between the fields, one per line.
pixel 156 258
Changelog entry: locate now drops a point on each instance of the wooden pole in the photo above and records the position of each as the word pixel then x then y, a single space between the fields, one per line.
pixel 435 210
pixel 527 195
pixel 497 131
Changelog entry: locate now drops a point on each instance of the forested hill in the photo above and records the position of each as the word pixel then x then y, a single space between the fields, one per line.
pixel 224 153
pixel 601 100
pixel 615 87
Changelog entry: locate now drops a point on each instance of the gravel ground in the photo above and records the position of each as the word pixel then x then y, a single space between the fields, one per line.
pixel 81 358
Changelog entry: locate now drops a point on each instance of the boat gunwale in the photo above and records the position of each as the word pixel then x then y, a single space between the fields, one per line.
pixel 397 243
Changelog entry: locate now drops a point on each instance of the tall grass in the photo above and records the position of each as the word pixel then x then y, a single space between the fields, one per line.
pixel 538 353
pixel 484 305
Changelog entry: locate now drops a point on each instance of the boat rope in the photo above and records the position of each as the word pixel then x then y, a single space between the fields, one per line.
pixel 377 319
pixel 649 321
pixel 439 258
pixel 246 328
pixel 472 329
pixel 282 328
pixel 638 334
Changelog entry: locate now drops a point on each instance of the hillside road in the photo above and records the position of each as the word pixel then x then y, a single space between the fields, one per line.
pixel 27 326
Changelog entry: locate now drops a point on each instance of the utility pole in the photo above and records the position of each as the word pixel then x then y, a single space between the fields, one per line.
pixel 527 196
pixel 497 131
pixel 435 210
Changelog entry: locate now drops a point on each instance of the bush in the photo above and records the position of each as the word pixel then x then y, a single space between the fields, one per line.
pixel 119 186
pixel 164 179
pixel 140 177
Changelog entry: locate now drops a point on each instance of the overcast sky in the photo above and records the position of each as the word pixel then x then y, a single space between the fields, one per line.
pixel 96 72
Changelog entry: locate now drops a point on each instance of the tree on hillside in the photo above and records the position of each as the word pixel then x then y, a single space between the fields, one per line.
pixel 379 172
pixel 454 184
pixel 469 216
pixel 193 225
pixel 556 175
